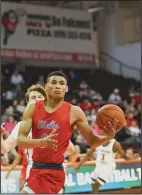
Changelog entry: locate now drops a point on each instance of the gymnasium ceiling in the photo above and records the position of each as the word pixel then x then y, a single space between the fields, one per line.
pixel 79 5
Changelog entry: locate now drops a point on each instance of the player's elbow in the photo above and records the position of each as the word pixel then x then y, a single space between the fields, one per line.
pixel 20 141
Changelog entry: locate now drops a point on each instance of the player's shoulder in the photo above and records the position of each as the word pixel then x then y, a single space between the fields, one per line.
pixel 30 106
pixel 76 109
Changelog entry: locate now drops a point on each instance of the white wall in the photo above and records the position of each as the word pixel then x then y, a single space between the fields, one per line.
pixel 129 54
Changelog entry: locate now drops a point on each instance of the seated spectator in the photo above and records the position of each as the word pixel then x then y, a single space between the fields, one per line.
pixel 41 80
pixel 91 93
pixel 85 105
pixel 83 85
pixel 129 118
pixel 134 132
pixel 132 107
pixel 10 124
pixel 21 107
pixel 115 97
pixel 80 141
pixel 83 93
pixel 16 78
pixel 19 93
pixel 91 115
pixel 73 80
pixel 129 152
pixel 95 104
pixel 9 94
pixel 134 129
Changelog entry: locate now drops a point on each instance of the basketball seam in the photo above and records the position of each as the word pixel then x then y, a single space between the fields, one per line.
pixel 101 119
pixel 115 110
pixel 110 117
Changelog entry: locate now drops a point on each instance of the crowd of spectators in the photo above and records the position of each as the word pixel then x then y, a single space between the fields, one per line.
pixel 90 100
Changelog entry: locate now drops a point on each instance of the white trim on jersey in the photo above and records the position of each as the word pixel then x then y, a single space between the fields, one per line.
pixel 11 142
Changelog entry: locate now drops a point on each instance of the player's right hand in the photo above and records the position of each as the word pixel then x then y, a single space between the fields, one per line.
pixel 49 141
pixel 7 175
pixel 110 131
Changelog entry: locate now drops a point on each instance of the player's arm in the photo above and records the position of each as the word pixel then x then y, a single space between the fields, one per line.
pixel 70 148
pixel 25 128
pixel 84 128
pixel 85 158
pixel 118 148
pixel 10 143
pixel 14 164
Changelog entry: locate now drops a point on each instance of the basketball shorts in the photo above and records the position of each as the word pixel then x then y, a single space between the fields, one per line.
pixel 102 173
pixel 23 173
pixel 65 170
pixel 44 181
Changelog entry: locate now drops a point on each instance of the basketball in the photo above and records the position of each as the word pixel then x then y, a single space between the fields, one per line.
pixel 108 113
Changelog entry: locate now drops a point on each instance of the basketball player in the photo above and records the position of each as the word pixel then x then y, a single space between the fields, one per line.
pixel 34 93
pixel 22 155
pixel 105 162
pixel 59 117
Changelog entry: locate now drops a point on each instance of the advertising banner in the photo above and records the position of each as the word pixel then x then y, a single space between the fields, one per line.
pixel 44 33
pixel 12 184
pixel 124 176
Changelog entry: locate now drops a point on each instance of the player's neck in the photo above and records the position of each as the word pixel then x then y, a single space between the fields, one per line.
pixel 52 103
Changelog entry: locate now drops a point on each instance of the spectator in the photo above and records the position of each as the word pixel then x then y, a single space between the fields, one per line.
pixel 83 93
pixel 115 97
pixel 130 117
pixel 85 105
pixel 16 78
pixel 95 104
pixel 41 80
pixel 91 115
pixel 74 79
pixel 134 129
pixel 132 107
pixel 81 143
pixel 21 107
pixel 10 124
pixel 134 132
pixel 9 94
pixel 83 85
pixel 19 92
pixel 129 152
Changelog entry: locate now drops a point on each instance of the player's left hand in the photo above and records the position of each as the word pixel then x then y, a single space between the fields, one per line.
pixel 136 156
pixel 77 167
pixel 110 131
pixel 2 129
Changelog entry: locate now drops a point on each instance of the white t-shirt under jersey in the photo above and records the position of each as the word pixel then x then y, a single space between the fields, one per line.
pixel 14 136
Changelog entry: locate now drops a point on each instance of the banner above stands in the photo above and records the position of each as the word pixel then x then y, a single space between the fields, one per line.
pixel 49 34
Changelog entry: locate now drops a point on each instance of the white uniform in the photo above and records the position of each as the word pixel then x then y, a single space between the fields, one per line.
pixel 14 136
pixel 105 163
pixel 65 170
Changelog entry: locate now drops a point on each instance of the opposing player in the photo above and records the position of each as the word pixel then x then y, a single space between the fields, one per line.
pixel 47 175
pixel 34 93
pixel 105 162
pixel 22 156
